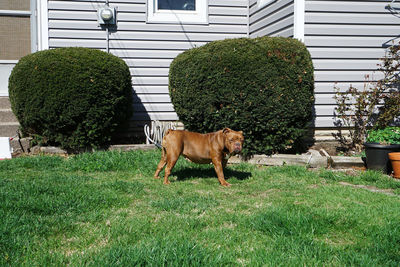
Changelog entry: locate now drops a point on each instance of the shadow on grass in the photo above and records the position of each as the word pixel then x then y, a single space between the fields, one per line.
pixel 199 172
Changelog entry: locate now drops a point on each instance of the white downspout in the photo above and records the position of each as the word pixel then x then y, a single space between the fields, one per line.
pixel 299 18
pixel 43 25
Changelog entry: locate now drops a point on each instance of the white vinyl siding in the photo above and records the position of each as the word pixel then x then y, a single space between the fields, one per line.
pixel 346 39
pixel 275 18
pixel 147 48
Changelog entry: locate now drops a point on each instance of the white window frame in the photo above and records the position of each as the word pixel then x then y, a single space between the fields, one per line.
pixel 198 16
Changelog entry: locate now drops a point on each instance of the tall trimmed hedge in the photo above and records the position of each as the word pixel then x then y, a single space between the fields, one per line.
pixel 263 86
pixel 73 97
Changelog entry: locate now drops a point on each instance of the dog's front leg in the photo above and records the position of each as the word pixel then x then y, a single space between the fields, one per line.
pixel 217 161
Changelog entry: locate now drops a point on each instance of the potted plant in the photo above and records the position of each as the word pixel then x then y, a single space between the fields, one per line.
pixel 395 160
pixel 379 143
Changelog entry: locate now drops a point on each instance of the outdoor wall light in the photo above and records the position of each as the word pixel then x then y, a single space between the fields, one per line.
pixel 106 15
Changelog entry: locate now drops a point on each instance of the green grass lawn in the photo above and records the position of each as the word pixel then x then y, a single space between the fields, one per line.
pixel 105 209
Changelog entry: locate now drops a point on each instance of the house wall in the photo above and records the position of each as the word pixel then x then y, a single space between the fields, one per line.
pixel 346 39
pixel 148 49
pixel 274 18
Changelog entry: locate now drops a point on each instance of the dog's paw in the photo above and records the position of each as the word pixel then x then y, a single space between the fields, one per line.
pixel 226 184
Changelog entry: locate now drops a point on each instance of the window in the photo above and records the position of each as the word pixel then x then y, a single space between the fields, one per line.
pixel 177 11
pixel 16 35
pixel 176 5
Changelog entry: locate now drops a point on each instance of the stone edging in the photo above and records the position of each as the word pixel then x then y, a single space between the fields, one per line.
pixel 312 158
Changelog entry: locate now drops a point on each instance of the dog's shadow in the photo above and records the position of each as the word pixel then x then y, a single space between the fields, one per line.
pixel 188 173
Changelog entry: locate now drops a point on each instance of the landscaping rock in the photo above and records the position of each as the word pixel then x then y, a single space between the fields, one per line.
pixel 312 159
pixel 48 150
pixel 338 162
pixel 21 145
pixel 132 147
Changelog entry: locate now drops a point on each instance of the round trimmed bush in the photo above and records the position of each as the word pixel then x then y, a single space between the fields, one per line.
pixel 263 86
pixel 73 97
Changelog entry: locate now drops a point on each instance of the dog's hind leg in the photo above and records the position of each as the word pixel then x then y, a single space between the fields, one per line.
pixel 172 158
pixel 162 163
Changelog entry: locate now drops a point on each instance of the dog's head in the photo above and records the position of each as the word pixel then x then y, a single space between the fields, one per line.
pixel 233 140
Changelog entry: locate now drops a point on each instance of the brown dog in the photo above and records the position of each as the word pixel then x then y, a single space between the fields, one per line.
pixel 200 148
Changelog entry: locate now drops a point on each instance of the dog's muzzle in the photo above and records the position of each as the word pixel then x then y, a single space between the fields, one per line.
pixel 237 148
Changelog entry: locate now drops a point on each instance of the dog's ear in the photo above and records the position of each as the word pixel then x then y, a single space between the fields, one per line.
pixel 226 130
pixel 241 132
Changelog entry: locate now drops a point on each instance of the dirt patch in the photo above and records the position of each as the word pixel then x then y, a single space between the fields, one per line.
pixel 330 147
pixel 370 188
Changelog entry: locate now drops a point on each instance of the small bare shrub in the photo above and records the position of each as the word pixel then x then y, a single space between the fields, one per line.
pixel 377 105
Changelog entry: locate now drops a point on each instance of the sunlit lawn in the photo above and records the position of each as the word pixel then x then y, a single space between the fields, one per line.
pixel 105 209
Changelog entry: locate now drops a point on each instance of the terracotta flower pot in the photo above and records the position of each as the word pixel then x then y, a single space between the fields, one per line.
pixel 395 160
pixel 377 156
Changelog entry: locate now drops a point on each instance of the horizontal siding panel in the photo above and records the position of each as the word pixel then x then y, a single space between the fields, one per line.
pixel 74 5
pixel 73 24
pixel 73 34
pixel 160 107
pixel 275 18
pixel 228 20
pixel 160 36
pixel 324 99
pixel 54 43
pixel 285 25
pixel 183 36
pixel 324 122
pixel 89 6
pixel 351 18
pixel 351 30
pixel 325 110
pixel 146 54
pixel 333 64
pixel 342 76
pixel 335 41
pixel 77 15
pixel 150 89
pixel 328 110
pixel 328 87
pixel 283 33
pixel 157 45
pixel 137 27
pixel 259 14
pixel 347 6
pixel 149 80
pixel 159 116
pixel 155 72
pixel 231 11
pixel 328 99
pixel 152 98
pixel 346 53
pixel 134 26
pixel 135 17
pixel 156 63
pixel 230 3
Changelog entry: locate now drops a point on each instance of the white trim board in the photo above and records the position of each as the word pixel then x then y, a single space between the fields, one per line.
pixel 299 14
pixel 43 25
pixel 198 16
